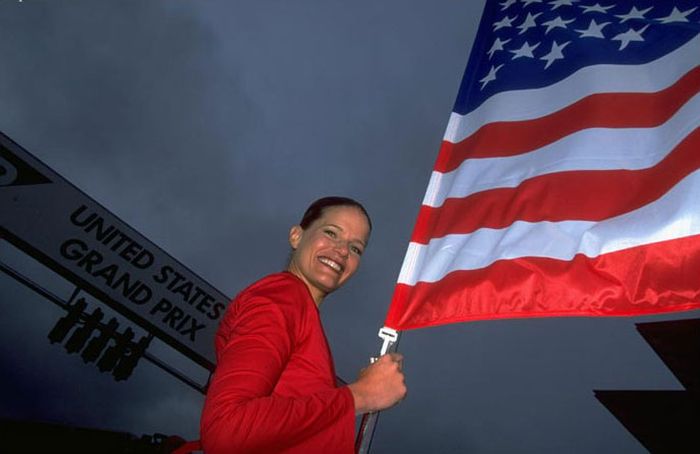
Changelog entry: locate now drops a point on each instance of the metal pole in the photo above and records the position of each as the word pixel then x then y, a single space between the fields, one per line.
pixel 34 286
pixel 368 424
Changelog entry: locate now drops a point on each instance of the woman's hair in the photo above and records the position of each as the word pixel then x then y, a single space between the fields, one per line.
pixel 317 208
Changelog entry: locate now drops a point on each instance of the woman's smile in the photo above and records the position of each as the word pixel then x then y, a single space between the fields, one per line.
pixel 332 264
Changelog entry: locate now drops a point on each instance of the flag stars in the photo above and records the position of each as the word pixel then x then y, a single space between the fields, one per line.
pixel 594 30
pixel 557 22
pixel 524 51
pixel 507 4
pixel 597 8
pixel 496 46
pixel 503 23
pixel 677 16
pixel 633 14
pixel 491 76
pixel 527 3
pixel 528 23
pixel 557 3
pixel 555 53
pixel 629 36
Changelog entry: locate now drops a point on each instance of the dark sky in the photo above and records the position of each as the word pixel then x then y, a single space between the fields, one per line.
pixel 208 126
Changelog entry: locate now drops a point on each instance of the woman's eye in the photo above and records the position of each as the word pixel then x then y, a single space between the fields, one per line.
pixel 356 250
pixel 330 233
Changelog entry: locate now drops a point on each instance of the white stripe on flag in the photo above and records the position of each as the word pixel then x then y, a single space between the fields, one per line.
pixel 535 103
pixel 590 149
pixel 675 215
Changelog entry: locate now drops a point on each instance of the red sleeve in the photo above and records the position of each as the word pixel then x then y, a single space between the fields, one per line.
pixel 240 412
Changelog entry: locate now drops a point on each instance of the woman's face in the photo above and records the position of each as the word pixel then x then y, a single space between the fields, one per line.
pixel 328 252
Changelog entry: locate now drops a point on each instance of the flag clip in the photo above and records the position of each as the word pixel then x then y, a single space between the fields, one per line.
pixel 389 336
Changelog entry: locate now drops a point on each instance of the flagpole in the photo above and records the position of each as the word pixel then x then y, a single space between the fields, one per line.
pixel 390 344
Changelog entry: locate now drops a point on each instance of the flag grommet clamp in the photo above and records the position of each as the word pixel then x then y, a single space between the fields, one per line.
pixel 389 336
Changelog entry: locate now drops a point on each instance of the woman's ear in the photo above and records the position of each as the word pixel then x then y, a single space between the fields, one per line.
pixel 295 234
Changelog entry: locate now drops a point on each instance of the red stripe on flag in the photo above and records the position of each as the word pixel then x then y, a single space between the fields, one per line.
pixel 610 110
pixel 650 279
pixel 575 195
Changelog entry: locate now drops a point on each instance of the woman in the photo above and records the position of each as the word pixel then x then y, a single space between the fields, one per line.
pixel 274 387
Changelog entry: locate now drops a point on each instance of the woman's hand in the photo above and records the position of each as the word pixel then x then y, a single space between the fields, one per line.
pixel 380 385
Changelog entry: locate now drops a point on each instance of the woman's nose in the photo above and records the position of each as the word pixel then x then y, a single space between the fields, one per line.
pixel 342 247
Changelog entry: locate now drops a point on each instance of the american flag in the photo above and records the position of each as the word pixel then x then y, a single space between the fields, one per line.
pixel 567 183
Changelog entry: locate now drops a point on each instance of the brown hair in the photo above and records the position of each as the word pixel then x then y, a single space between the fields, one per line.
pixel 316 209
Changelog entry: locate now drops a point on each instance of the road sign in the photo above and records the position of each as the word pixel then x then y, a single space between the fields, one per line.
pixel 47 217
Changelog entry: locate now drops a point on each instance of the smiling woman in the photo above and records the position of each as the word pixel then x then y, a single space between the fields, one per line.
pixel 274 388
pixel 327 251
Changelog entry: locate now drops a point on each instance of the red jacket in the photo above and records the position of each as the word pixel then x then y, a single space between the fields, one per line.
pixel 274 386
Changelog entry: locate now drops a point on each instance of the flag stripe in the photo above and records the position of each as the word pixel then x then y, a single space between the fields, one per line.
pixel 675 215
pixel 536 103
pixel 568 180
pixel 611 284
pixel 611 110
pixel 590 149
pixel 581 195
